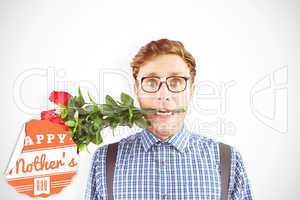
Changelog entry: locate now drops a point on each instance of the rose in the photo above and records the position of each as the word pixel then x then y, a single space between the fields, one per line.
pixel 60 97
pixel 53 117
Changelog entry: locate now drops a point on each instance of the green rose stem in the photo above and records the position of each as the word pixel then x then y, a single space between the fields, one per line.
pixel 86 120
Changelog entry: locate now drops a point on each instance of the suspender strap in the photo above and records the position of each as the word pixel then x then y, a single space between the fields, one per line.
pixel 111 157
pixel 225 163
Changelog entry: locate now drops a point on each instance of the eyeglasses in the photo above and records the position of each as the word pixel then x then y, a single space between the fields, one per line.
pixel 175 84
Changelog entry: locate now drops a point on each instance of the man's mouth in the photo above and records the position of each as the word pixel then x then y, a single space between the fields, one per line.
pixel 164 112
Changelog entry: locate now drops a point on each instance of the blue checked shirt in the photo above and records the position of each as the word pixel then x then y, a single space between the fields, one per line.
pixel 185 166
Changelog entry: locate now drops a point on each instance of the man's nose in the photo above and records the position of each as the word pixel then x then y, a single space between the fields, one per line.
pixel 163 92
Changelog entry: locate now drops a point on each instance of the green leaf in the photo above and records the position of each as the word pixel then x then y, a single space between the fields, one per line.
pixel 98 122
pixel 70 123
pixel 99 139
pixel 126 99
pixel 130 115
pixel 90 108
pixel 78 101
pixel 64 113
pixel 91 99
pixel 81 146
pixel 107 109
pixel 76 115
pixel 71 103
pixel 61 107
pixel 137 115
pixel 80 97
pixel 74 129
pixel 114 123
pixel 109 100
pixel 142 123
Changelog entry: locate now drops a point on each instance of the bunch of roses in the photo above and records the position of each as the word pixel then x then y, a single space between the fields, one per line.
pixel 86 120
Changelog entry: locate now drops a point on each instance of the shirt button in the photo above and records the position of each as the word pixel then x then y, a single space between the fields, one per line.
pixel 164 163
pixel 165 196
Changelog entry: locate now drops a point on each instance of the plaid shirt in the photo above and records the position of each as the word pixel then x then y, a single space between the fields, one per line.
pixel 185 166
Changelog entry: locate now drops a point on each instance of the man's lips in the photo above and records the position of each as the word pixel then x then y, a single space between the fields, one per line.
pixel 161 116
pixel 162 111
pixel 164 114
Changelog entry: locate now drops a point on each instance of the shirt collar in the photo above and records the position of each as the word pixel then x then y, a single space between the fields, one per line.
pixel 179 140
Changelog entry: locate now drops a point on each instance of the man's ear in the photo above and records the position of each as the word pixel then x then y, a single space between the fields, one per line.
pixel 135 87
pixel 192 89
pixel 136 90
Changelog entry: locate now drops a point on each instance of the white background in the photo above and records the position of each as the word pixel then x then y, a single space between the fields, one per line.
pixel 247 55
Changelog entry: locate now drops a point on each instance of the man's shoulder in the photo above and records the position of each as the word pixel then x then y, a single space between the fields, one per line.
pixel 100 152
pixel 212 146
pixel 202 140
pixel 208 142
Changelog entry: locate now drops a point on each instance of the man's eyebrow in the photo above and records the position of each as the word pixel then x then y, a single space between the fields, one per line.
pixel 175 73
pixel 151 74
pixel 155 74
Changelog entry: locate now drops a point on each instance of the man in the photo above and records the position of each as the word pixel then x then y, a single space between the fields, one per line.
pixel 166 160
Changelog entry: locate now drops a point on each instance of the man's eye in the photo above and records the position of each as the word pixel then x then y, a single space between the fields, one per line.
pixel 151 83
pixel 176 82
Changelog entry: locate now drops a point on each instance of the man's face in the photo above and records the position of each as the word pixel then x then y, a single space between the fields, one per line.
pixel 163 99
